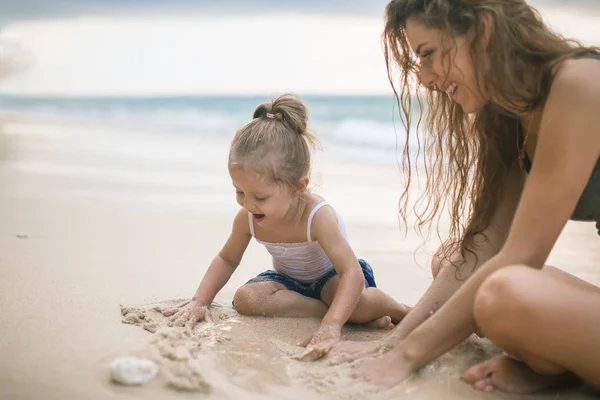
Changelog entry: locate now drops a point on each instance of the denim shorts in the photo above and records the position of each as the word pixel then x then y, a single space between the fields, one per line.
pixel 311 289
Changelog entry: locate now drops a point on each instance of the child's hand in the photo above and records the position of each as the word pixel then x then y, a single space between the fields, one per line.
pixel 321 342
pixel 188 314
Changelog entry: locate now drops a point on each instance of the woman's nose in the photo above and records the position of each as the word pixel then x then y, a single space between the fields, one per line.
pixel 427 77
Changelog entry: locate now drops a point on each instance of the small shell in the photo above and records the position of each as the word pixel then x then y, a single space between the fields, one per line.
pixel 133 371
pixel 22 235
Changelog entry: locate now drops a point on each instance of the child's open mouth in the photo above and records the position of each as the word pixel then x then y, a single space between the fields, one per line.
pixel 258 217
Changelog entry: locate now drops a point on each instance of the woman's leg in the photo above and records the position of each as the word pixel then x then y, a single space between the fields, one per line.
pixel 273 299
pixel 548 319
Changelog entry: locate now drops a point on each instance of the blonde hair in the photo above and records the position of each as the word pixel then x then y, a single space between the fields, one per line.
pixel 467 157
pixel 276 143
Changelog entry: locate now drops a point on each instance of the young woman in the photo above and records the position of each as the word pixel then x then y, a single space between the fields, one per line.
pixel 514 118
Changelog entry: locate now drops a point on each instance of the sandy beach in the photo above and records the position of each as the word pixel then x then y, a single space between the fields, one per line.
pixel 93 220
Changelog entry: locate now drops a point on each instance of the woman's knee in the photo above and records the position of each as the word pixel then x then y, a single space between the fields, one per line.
pixel 501 296
pixel 437 261
pixel 446 255
pixel 436 265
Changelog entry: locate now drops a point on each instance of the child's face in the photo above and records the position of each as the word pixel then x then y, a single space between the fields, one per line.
pixel 268 202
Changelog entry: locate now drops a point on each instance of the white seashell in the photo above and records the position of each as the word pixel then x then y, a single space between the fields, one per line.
pixel 22 235
pixel 133 371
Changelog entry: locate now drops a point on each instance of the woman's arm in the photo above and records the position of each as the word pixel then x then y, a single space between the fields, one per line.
pixel 568 148
pixel 454 271
pixel 451 273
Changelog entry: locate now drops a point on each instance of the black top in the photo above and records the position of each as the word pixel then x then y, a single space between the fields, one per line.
pixel 588 207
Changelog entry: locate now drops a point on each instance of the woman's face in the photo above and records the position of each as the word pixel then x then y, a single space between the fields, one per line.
pixel 446 64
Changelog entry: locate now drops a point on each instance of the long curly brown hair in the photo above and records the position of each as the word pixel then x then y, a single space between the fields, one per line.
pixel 467 157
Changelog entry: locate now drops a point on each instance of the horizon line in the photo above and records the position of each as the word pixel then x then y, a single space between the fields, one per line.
pixel 181 95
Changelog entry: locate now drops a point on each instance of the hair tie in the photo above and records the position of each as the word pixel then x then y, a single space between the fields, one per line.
pixel 269 115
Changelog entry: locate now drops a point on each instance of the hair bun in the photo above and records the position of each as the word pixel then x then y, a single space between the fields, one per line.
pixel 288 109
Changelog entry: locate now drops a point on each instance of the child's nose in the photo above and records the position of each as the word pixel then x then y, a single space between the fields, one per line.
pixel 249 205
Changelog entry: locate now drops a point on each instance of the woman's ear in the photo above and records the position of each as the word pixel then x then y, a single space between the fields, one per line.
pixel 487 22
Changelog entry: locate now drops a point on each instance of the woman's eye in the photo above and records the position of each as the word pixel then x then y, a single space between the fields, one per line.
pixel 427 54
pixel 239 193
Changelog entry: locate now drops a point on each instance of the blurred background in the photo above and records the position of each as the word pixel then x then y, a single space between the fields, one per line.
pixel 179 73
pixel 149 48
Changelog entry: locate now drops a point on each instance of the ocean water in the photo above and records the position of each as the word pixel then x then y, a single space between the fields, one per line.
pixel 365 128
pixel 172 152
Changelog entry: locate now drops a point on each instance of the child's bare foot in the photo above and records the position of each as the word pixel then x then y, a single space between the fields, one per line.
pixel 510 375
pixel 384 323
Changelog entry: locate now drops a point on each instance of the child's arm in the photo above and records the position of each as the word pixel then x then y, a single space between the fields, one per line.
pixel 352 282
pixel 220 270
pixel 223 265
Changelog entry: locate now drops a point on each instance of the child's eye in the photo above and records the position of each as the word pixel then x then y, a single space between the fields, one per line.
pixel 237 193
pixel 261 198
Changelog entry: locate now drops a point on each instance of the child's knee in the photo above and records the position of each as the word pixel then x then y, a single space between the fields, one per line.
pixel 245 300
pixel 250 298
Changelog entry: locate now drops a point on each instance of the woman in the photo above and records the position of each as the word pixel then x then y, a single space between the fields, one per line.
pixel 514 117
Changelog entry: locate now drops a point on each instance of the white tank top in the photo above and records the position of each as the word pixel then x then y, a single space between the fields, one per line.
pixel 304 261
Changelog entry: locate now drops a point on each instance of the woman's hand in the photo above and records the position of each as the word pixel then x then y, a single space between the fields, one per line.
pixel 188 314
pixel 349 351
pixel 321 342
pixel 386 371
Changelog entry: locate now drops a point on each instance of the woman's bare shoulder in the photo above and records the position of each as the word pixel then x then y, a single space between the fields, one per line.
pixel 580 76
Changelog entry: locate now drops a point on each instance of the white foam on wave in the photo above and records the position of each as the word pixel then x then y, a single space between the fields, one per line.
pixel 369 141
pixel 154 118
pixel 177 128
pixel 369 133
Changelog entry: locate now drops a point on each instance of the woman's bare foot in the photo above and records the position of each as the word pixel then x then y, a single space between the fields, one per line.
pixel 510 375
pixel 384 323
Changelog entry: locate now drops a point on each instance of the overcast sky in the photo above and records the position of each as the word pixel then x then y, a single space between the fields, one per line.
pixel 162 47
pixel 19 9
